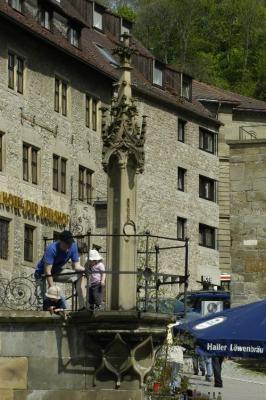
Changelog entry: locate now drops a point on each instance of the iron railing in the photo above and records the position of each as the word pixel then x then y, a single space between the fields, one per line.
pixel 19 293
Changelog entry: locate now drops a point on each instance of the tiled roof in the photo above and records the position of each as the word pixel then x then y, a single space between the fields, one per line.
pixel 89 54
pixel 202 91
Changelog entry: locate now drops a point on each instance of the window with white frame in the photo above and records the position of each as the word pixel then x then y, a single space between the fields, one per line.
pixel 97 18
pixel 45 18
pixel 186 87
pixel 73 36
pixel 16 4
pixel 157 75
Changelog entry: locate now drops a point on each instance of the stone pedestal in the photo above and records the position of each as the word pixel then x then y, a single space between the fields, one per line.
pixel 104 356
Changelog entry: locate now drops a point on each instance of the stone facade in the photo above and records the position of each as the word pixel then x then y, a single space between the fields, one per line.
pixel 159 201
pixel 242 118
pixel 232 129
pixel 248 218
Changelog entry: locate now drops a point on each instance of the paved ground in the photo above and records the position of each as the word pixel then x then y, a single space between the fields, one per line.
pixel 239 384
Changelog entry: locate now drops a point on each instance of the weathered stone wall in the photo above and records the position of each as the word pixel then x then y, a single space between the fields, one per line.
pixel 74 141
pixel 44 358
pixel 159 200
pixel 248 219
pixel 232 121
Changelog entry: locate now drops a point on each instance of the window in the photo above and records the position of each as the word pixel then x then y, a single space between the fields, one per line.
pixel 60 96
pixel 20 69
pixel 63 175
pixel 4 233
pixel 11 71
pixel 1 151
pixel 186 87
pixel 87 115
pixel 46 19
pixel 207 141
pixel 56 172
pixel 59 174
pixel 28 242
pixel 30 163
pixel 92 106
pixel 207 236
pixel 181 130
pixel 64 98
pixel 98 20
pixel 25 162
pixel 157 76
pixel 16 4
pixel 101 214
pixel 94 114
pixel 181 173
pixel 34 165
pixel 181 228
pixel 15 73
pixel 125 26
pixel 73 37
pixel 207 188
pixel 85 185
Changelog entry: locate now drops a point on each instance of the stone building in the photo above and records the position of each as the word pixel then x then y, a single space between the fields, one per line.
pixel 248 217
pixel 242 118
pixel 56 71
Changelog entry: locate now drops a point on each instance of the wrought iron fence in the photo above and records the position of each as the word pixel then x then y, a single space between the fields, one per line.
pixel 19 293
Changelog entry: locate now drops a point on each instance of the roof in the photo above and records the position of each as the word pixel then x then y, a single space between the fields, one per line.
pixel 204 92
pixel 90 55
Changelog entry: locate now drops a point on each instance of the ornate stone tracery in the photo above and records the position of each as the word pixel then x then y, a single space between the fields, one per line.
pixel 123 137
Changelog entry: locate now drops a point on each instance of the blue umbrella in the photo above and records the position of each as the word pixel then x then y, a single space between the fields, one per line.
pixel 236 332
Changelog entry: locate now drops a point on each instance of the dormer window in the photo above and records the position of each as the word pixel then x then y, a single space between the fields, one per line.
pixel 73 36
pixel 186 87
pixel 97 18
pixel 46 19
pixel 16 4
pixel 125 27
pixel 157 75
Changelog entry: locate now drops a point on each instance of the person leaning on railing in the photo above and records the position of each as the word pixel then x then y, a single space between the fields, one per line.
pixel 52 267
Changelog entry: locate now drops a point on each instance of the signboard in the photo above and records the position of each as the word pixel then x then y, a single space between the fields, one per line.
pixel 31 208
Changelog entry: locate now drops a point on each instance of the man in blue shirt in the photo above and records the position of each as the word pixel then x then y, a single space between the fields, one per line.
pixel 52 265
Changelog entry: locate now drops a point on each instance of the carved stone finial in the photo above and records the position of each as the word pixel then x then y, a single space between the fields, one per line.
pixel 123 136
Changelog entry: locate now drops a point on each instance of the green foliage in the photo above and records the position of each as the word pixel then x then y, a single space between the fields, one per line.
pixel 222 42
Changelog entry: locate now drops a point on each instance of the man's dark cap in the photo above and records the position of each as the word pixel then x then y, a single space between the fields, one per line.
pixel 66 237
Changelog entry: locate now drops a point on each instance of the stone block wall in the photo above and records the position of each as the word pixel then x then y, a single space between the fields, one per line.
pixel 160 203
pixel 248 219
pixel 41 359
